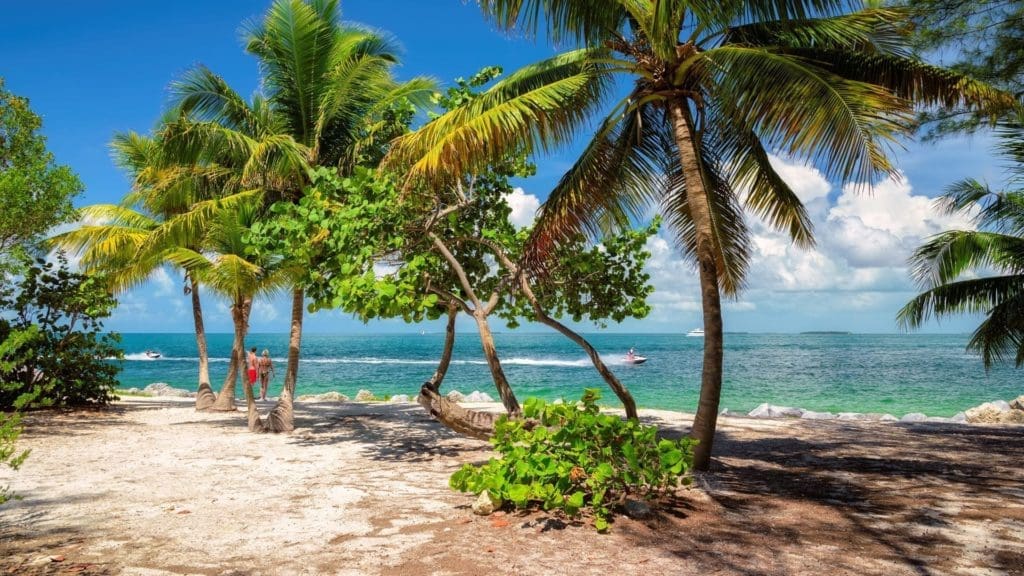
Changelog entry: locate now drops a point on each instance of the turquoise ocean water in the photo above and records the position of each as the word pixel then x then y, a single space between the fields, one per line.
pixel 895 374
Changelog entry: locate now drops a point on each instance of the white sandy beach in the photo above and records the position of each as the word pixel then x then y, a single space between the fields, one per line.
pixel 150 487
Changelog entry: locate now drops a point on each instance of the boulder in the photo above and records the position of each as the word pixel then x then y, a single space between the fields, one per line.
pixel 455 396
pixel 811 415
pixel 477 396
pixel 164 389
pixel 959 417
pixel 365 396
pixel 768 411
pixel 1017 403
pixel 914 417
pixel 399 399
pixel 485 504
pixel 989 412
pixel 888 418
pixel 325 397
pixel 732 413
pixel 858 416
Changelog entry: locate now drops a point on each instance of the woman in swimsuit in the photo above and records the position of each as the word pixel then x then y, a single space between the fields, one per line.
pixel 266 371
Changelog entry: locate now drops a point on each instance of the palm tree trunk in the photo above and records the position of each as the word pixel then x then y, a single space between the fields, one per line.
pixel 204 394
pixel 706 419
pixel 508 398
pixel 226 399
pixel 624 396
pixel 282 417
pixel 446 355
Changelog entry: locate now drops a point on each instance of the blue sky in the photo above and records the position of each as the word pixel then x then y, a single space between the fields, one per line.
pixel 95 68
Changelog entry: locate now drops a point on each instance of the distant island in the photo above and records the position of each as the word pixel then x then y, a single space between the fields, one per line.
pixel 826 332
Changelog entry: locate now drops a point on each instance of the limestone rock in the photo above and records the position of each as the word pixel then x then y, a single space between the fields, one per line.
pixel 637 510
pixel 485 504
pixel 455 396
pixel 959 417
pixel 769 411
pixel 914 417
pixel 732 413
pixel 164 389
pixel 888 418
pixel 325 397
pixel 989 412
pixel 365 396
pixel 811 415
pixel 855 416
pixel 399 399
pixel 1017 403
pixel 477 396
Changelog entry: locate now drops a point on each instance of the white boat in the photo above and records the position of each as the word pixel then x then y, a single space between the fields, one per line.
pixel 696 333
pixel 152 354
pixel 634 359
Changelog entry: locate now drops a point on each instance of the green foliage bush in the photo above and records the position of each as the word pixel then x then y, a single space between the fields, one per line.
pixel 573 458
pixel 53 351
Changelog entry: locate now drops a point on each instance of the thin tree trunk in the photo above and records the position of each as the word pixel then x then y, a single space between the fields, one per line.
pixel 508 398
pixel 446 355
pixel 624 396
pixel 706 419
pixel 226 399
pixel 204 394
pixel 282 417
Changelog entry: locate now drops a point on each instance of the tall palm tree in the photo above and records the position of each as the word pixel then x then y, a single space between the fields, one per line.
pixel 326 85
pixel 941 264
pixel 716 87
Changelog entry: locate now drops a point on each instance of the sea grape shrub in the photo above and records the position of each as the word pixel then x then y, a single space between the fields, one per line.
pixel 52 345
pixel 573 458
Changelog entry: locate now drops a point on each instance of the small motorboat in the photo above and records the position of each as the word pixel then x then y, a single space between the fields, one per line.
pixel 634 359
pixel 696 333
pixel 152 354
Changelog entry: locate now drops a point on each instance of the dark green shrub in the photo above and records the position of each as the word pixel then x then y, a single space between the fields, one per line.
pixel 51 341
pixel 570 457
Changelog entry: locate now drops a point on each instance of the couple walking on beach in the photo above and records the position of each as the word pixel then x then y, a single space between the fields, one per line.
pixel 262 366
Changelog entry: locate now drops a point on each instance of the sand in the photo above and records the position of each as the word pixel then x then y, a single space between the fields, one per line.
pixel 150 487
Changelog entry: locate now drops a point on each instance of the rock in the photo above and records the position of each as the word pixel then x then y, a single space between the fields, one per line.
pixel 455 396
pixel 365 396
pixel 637 509
pixel 399 399
pixel 888 418
pixel 811 415
pixel 989 412
pixel 135 391
pixel 325 397
pixel 940 419
pixel 768 411
pixel 732 413
pixel 485 504
pixel 914 417
pixel 1017 403
pixel 959 418
pixel 854 416
pixel 477 396
pixel 164 389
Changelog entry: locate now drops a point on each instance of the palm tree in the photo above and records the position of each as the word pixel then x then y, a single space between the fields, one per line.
pixel 716 87
pixel 941 263
pixel 326 86
pixel 225 267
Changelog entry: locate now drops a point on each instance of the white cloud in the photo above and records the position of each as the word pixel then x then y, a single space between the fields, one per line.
pixel 162 282
pixel 262 312
pixel 524 207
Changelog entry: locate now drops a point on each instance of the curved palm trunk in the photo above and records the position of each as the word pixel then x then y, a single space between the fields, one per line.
pixel 446 355
pixel 706 419
pixel 240 315
pixel 282 417
pixel 624 396
pixel 508 398
pixel 204 394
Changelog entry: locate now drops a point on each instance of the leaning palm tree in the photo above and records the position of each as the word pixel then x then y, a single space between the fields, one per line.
pixel 716 88
pixel 326 86
pixel 942 264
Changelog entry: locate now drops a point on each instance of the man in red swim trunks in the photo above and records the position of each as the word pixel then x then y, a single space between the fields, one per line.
pixel 251 361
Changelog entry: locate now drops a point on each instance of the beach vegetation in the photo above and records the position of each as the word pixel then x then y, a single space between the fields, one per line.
pixel 55 352
pixel 571 458
pixel 978 271
pixel 716 90
pixel 328 97
pixel 36 193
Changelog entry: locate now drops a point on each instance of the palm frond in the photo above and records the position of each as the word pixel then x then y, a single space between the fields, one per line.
pixel 976 296
pixel 867 31
pixel 1001 335
pixel 946 256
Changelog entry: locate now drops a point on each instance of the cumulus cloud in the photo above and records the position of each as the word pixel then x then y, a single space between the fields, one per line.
pixel 162 283
pixel 524 207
